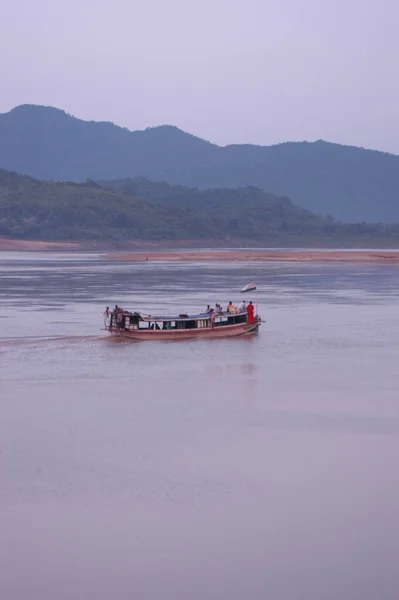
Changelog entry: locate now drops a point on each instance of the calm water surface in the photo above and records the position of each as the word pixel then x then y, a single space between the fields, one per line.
pixel 261 467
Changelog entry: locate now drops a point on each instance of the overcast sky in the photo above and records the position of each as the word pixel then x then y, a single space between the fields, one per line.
pixel 258 71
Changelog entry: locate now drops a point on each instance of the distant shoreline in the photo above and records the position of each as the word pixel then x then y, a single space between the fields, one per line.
pixel 202 252
pixel 324 256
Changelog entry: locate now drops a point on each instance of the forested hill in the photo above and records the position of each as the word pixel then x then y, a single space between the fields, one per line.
pixel 348 183
pixel 234 204
pixel 141 210
pixel 35 209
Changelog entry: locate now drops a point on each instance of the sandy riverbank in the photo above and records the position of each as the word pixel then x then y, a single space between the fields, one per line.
pixel 137 251
pixel 124 246
pixel 35 246
pixel 325 256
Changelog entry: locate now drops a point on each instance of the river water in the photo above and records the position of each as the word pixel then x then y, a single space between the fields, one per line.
pixel 260 467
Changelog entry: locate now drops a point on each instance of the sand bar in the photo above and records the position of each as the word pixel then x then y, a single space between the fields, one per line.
pixel 138 252
pixel 324 256
pixel 7 244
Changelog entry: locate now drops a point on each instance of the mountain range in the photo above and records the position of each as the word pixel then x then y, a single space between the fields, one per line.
pixel 349 183
pixel 137 209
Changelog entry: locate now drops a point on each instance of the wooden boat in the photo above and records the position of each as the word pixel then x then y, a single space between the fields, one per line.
pixel 139 326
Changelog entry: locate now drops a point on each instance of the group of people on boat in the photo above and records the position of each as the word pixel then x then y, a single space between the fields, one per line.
pixel 232 310
pixel 117 313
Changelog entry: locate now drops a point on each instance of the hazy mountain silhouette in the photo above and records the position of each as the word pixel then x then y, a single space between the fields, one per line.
pixel 349 183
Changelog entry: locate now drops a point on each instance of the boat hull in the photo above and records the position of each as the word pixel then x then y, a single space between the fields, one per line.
pixel 224 331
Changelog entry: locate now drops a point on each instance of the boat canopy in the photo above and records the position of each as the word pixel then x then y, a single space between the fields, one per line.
pixel 181 317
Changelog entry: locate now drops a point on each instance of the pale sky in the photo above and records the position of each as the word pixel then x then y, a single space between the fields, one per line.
pixel 229 71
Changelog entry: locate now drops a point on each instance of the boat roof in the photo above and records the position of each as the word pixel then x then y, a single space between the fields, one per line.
pixel 181 317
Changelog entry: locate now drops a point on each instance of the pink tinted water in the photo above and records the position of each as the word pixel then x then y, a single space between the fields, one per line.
pixel 261 467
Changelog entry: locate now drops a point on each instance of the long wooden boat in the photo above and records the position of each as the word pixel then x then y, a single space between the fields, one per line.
pixel 139 326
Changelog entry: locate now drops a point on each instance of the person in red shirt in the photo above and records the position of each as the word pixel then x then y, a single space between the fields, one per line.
pixel 250 312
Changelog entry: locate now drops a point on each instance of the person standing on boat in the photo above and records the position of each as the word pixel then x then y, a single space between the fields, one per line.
pixel 106 317
pixel 231 308
pixel 243 306
pixel 113 315
pixel 212 317
pixel 250 312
